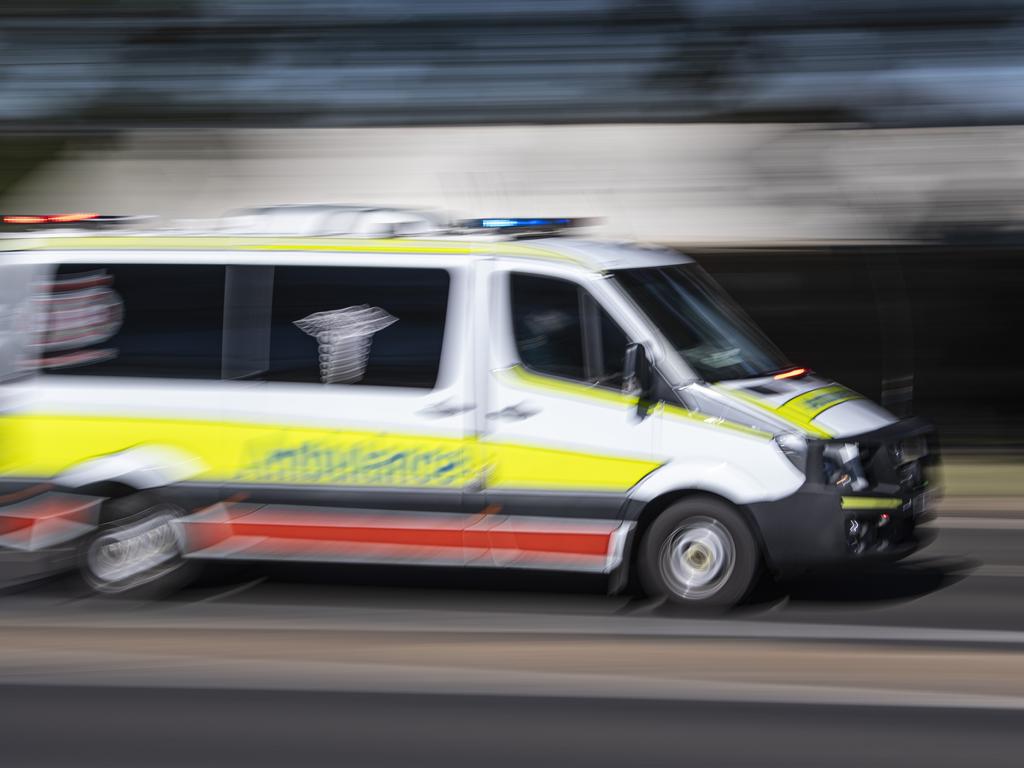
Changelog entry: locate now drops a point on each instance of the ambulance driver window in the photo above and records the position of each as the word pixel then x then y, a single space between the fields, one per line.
pixel 358 325
pixel 561 331
pixel 138 320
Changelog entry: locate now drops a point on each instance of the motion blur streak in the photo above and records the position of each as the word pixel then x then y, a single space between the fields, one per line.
pixel 438 555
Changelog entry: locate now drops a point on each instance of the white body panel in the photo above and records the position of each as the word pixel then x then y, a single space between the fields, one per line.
pixel 773 402
pixel 854 417
pixel 735 466
pixel 518 412
pixel 474 397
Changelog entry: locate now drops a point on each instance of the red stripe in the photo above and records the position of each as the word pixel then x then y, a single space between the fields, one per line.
pixel 440 536
pixel 566 543
pixel 292 529
pixel 48 517
pixel 13 524
pixel 46 507
pixel 425 537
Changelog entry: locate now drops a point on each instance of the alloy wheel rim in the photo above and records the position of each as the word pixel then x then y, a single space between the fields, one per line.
pixel 698 558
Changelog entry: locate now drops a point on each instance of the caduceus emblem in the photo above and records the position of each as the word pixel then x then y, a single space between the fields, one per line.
pixel 344 336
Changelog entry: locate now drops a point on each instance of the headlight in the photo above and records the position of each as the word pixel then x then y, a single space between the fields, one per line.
pixel 909 450
pixel 843 468
pixel 795 449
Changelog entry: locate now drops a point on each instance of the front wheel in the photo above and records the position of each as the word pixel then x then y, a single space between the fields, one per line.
pixel 136 549
pixel 699 552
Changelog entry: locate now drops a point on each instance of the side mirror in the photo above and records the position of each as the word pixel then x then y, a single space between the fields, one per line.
pixel 637 379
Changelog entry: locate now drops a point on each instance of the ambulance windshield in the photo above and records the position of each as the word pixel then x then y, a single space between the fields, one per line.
pixel 709 330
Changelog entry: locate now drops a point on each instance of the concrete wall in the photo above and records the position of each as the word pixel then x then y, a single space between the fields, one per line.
pixel 679 183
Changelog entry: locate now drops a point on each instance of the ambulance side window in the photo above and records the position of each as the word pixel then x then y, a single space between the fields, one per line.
pixel 377 326
pixel 561 331
pixel 132 320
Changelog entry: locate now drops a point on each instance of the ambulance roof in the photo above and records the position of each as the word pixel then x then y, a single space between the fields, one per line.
pixel 594 255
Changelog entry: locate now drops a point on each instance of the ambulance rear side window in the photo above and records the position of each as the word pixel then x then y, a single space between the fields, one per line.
pixel 377 326
pixel 131 320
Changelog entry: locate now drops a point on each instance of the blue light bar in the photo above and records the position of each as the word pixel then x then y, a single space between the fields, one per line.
pixel 508 223
pixel 517 223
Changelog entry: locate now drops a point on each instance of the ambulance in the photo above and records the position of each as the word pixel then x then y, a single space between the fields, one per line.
pixel 343 384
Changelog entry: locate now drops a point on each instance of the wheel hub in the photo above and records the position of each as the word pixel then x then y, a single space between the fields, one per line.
pixel 698 558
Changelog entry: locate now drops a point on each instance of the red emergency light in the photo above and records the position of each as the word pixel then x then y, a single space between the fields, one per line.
pixel 53 218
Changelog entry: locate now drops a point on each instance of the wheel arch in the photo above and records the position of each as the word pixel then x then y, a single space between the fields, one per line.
pixel 138 468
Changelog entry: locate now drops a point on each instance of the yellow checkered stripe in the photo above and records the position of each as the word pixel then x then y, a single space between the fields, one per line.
pixel 49 444
pixel 801 410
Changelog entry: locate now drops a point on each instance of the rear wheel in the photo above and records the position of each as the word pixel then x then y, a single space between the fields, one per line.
pixel 136 549
pixel 699 552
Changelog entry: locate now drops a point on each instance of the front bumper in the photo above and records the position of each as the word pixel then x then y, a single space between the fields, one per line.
pixel 813 527
pixel 822 524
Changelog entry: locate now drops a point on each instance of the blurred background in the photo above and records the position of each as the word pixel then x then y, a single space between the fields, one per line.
pixel 852 171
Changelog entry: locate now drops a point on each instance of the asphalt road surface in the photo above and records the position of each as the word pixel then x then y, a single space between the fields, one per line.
pixel 138 727
pixel 921 663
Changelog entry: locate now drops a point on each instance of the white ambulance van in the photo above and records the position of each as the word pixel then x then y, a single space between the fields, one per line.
pixel 366 389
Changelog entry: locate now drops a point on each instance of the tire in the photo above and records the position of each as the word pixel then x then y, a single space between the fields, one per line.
pixel 136 550
pixel 699 552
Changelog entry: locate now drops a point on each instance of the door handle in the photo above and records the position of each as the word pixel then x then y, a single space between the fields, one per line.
pixel 445 408
pixel 516 412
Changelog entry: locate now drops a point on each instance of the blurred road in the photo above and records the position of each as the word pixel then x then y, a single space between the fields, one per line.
pixel 138 727
pixel 920 661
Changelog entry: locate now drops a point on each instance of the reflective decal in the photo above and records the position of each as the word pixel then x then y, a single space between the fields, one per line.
pixel 800 411
pixel 812 404
pixel 867 502
pixel 264 454
pixel 376 461
pixel 490 539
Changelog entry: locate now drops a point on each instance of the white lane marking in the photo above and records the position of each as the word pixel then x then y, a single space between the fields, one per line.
pixel 966 522
pixel 228 617
pixel 170 673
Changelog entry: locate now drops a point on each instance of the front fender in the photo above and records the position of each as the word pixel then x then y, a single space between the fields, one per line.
pixel 721 478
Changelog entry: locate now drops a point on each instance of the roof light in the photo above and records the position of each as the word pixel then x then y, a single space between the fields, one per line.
pixel 71 222
pixel 513 223
pixel 507 223
pixel 67 218
pixel 792 373
pixel 54 218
